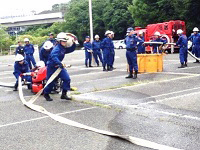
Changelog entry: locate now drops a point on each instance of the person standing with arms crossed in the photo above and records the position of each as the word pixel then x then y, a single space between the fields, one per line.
pixel 107 47
pixel 131 54
pixel 29 51
pixel 96 47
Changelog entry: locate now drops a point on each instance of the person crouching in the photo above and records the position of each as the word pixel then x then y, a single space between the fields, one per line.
pixel 21 66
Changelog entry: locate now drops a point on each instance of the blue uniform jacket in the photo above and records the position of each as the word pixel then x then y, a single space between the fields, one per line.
pixel 96 45
pixel 107 44
pixel 19 50
pixel 131 41
pixel 182 41
pixel 195 38
pixel 18 68
pixel 44 54
pixel 29 49
pixel 58 54
pixel 87 46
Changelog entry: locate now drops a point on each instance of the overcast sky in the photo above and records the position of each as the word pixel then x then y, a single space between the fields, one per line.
pixel 13 7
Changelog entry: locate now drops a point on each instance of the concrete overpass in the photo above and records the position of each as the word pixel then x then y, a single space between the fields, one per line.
pixel 18 24
pixel 32 20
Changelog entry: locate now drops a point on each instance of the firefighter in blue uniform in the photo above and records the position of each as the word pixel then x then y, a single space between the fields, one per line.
pixel 107 47
pixel 45 51
pixel 51 39
pixel 157 47
pixel 29 51
pixel 55 61
pixel 96 47
pixel 21 66
pixel 88 51
pixel 112 52
pixel 141 47
pixel 20 49
pixel 183 44
pixel 131 54
pixel 195 38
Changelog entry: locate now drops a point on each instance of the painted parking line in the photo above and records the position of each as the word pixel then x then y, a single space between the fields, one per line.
pixel 178 115
pixel 40 118
pixel 168 94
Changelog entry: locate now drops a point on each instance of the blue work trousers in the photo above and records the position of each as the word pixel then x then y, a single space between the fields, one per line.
pixel 141 49
pixel 183 54
pixel 112 58
pixel 196 50
pixel 63 75
pixel 88 56
pixel 132 60
pixel 97 55
pixel 106 58
pixel 30 59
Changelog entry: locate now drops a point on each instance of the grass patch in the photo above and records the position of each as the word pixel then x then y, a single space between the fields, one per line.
pixel 75 93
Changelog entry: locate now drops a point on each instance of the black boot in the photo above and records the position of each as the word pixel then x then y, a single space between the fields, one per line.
pixel 15 87
pixel 47 97
pixel 135 75
pixel 108 68
pixel 111 68
pixel 104 68
pixel 130 75
pixel 64 95
pixel 182 66
pixel 186 64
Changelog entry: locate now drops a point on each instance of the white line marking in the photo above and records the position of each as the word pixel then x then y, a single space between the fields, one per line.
pixel 188 68
pixel 39 118
pixel 165 112
pixel 156 96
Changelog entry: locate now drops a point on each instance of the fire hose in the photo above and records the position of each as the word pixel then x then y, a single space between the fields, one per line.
pixel 30 104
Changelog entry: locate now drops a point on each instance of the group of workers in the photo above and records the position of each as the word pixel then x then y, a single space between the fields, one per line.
pixel 53 52
pixel 94 49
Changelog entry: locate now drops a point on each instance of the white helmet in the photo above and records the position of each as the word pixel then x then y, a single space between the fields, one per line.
pixel 157 33
pixel 70 41
pixel 40 64
pixel 26 40
pixel 108 32
pixel 19 57
pixel 62 37
pixel 140 32
pixel 179 31
pixel 47 45
pixel 96 37
pixel 195 29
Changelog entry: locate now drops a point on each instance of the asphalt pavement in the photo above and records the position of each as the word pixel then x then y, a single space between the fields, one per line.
pixel 160 107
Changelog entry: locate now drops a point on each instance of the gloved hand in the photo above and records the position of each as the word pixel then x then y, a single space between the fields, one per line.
pixel 90 51
pixel 62 65
pixel 21 75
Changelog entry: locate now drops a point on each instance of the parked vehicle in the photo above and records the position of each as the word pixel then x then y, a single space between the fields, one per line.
pixel 168 31
pixel 120 44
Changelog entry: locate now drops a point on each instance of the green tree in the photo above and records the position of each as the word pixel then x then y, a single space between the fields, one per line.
pixel 5 39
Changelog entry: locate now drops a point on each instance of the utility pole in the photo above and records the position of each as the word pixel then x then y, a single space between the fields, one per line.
pixel 91 23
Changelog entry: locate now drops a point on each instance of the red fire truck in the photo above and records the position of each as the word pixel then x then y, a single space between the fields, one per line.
pixel 168 31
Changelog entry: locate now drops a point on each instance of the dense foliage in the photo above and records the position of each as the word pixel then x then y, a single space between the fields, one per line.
pixel 117 15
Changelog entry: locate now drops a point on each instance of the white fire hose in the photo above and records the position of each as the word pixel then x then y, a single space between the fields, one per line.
pixel 134 140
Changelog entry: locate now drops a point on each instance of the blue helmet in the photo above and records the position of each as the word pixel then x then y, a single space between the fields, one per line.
pixel 129 29
pixel 87 37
